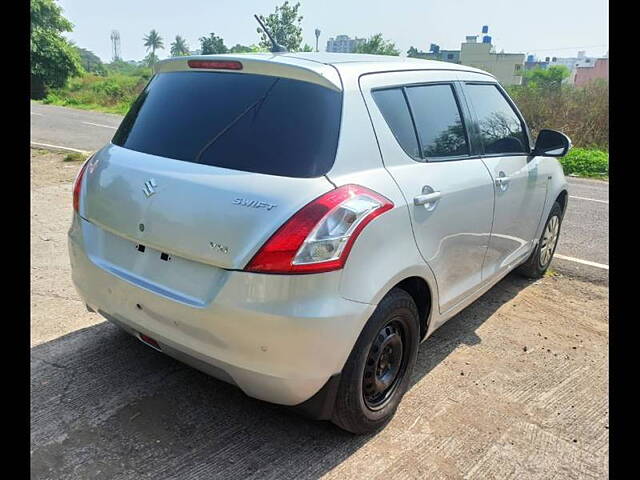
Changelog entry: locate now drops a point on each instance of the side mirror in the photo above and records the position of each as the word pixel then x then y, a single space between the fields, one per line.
pixel 551 143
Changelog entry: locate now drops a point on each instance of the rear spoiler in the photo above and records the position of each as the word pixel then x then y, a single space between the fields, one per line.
pixel 275 65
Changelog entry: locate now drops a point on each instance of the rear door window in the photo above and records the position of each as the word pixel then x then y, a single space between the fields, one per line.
pixel 501 130
pixel 247 122
pixel 395 111
pixel 438 121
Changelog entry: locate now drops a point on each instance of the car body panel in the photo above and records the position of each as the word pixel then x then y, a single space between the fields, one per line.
pixel 384 254
pixel 518 210
pixel 274 349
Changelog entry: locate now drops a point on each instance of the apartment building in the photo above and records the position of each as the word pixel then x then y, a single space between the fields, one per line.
pixel 343 44
pixel 506 67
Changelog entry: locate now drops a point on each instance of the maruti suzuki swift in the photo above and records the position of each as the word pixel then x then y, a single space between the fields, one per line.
pixel 297 224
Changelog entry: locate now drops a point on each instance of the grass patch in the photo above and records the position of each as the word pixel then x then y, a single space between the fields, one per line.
pixel 120 109
pixel 585 162
pixel 113 93
pixel 75 157
pixel 551 273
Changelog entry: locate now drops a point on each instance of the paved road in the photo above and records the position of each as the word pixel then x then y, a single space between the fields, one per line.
pixel 585 232
pixel 71 128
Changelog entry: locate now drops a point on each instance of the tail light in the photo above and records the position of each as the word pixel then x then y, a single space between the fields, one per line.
pixel 77 185
pixel 319 237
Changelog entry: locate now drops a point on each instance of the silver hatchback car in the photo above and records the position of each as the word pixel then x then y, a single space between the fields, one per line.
pixel 296 224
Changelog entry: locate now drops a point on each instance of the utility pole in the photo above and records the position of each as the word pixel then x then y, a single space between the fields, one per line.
pixel 317 36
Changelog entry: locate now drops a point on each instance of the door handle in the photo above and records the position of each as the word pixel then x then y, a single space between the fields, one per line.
pixel 502 181
pixel 426 199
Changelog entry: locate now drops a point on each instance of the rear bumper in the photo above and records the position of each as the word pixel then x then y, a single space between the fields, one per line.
pixel 277 337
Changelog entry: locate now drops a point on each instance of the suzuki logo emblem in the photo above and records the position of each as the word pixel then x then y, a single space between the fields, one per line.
pixel 149 187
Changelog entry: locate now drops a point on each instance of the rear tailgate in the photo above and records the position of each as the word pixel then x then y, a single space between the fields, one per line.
pixel 208 214
pixel 204 168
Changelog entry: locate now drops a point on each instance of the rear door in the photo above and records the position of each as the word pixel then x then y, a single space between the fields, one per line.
pixel 207 165
pixel 520 189
pixel 418 119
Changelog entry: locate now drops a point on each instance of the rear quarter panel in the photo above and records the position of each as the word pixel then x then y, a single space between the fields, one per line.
pixel 385 253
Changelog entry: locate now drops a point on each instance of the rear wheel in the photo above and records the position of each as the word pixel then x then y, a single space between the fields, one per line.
pixel 541 257
pixel 378 371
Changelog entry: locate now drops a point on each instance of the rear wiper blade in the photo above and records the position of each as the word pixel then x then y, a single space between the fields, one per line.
pixel 255 104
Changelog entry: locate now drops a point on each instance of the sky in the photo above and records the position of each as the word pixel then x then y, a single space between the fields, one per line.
pixel 540 27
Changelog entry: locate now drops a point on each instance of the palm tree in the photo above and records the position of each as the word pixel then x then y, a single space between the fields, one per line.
pixel 179 48
pixel 153 41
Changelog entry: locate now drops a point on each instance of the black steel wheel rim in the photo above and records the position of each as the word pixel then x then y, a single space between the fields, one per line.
pixel 385 365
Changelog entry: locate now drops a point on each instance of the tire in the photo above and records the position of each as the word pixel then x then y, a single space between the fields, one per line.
pixel 384 354
pixel 540 259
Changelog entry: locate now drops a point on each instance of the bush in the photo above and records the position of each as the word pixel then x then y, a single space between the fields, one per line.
pixel 586 163
pixel 581 113
pixel 52 98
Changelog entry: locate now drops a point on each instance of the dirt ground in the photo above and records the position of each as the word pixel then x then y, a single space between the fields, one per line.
pixel 515 386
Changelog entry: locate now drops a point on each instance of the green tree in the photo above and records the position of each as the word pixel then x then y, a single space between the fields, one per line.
pixel 179 47
pixel 284 26
pixel 237 48
pixel 413 52
pixel 549 79
pixel 378 45
pixel 213 44
pixel 154 42
pixel 53 58
pixel 90 62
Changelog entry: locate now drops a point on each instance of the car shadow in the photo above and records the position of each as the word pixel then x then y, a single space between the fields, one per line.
pixel 104 405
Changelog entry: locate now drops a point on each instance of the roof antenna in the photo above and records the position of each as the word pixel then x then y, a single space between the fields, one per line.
pixel 275 46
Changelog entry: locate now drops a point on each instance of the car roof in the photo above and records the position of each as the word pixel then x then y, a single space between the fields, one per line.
pixel 373 62
pixel 317 67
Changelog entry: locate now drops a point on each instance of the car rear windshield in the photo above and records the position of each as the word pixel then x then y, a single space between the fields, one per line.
pixel 253 123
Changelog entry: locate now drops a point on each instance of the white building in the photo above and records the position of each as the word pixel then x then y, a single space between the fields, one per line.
pixel 343 44
pixel 574 62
